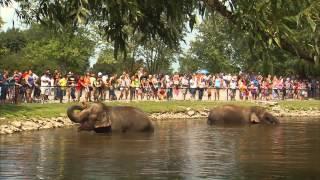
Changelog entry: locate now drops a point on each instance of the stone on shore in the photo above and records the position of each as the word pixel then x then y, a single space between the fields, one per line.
pixel 191 112
pixel 29 125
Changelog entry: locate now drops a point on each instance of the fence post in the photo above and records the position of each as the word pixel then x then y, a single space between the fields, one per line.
pixel 227 94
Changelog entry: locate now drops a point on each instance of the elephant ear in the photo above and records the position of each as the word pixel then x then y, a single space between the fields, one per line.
pixel 103 121
pixel 254 118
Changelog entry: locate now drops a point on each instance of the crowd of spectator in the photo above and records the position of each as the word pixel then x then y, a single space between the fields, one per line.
pixel 29 87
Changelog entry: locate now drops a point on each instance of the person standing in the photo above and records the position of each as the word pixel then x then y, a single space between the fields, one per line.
pixel 61 87
pixel 112 86
pixel 30 86
pixel 201 86
pixel 45 86
pixel 193 86
pixel 3 86
pixel 233 88
pixel 71 82
pixel 217 86
pixel 185 85
pixel 132 88
pixel 97 86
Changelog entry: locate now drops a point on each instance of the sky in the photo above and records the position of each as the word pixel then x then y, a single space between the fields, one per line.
pixel 8 16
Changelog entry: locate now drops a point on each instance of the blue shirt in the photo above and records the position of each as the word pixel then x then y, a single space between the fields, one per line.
pixel 217 83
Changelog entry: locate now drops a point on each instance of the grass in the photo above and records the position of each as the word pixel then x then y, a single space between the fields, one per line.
pixel 56 109
pixel 300 105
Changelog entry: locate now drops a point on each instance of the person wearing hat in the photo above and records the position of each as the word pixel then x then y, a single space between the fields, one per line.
pixel 61 89
pixel 71 82
pixel 233 88
pixel 45 85
pixel 97 88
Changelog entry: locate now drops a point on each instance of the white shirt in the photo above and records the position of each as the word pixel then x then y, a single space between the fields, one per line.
pixel 35 77
pixel 45 80
pixel 233 84
pixel 193 83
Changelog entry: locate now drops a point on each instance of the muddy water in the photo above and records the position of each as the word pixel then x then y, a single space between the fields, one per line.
pixel 180 149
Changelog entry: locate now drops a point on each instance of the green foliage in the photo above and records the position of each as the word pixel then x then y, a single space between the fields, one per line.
pixel 211 49
pixel 157 56
pixel 13 40
pixel 115 18
pixel 291 25
pixel 39 48
pixel 154 55
pixel 219 48
pixel 268 28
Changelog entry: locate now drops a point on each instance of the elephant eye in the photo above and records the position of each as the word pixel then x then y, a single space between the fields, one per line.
pixel 267 118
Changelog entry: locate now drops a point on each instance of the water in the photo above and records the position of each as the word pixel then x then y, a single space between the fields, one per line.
pixel 179 149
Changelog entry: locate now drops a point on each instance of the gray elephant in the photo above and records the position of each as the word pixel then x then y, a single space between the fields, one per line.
pixel 233 114
pixel 102 118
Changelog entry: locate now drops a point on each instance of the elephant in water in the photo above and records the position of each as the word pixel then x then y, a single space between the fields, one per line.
pixel 233 114
pixel 102 118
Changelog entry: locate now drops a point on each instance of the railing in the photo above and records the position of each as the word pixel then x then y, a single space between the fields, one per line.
pixel 47 94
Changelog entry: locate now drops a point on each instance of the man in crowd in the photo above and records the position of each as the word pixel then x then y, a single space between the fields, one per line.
pixel 45 83
pixel 98 88
pixel 71 82
pixel 3 86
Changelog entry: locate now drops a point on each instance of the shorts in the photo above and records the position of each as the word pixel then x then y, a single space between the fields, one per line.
pixel 29 90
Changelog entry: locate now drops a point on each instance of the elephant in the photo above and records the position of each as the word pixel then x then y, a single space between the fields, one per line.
pixel 233 114
pixel 102 118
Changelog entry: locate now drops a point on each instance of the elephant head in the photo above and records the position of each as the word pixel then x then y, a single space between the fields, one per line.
pixel 90 118
pixel 260 115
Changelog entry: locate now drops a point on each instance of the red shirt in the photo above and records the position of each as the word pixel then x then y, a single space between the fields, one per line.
pixel 80 85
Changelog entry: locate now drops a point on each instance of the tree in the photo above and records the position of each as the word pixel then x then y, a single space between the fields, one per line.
pixel 212 49
pixel 108 64
pixel 219 48
pixel 157 56
pixel 13 40
pixel 1 22
pixel 43 48
pixel 282 23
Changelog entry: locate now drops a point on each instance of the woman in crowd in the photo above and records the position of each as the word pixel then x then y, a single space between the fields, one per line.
pixel 217 86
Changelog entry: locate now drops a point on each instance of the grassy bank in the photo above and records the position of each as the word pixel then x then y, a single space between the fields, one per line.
pixel 55 109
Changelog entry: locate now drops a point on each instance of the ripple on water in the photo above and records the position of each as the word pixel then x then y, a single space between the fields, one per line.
pixel 178 149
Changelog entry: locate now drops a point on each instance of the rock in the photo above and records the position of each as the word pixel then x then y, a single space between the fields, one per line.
pixel 16 124
pixel 188 109
pixel 8 131
pixel 191 113
pixel 206 109
pixel 202 113
pixel 60 119
pixel 57 124
pixel 2 129
pixel 276 109
pixel 269 103
pixel 47 125
pixel 29 125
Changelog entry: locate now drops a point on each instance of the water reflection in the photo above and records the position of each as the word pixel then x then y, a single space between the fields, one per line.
pixel 178 149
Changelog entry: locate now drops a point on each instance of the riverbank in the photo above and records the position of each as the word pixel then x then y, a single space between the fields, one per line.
pixel 25 117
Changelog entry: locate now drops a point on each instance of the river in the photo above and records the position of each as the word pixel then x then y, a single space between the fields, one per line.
pixel 178 149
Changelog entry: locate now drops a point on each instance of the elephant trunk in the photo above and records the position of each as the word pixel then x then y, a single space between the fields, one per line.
pixel 72 116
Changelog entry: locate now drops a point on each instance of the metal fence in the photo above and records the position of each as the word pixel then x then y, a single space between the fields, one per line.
pixel 15 94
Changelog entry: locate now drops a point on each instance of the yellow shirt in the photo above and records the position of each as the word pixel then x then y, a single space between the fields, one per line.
pixel 63 83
